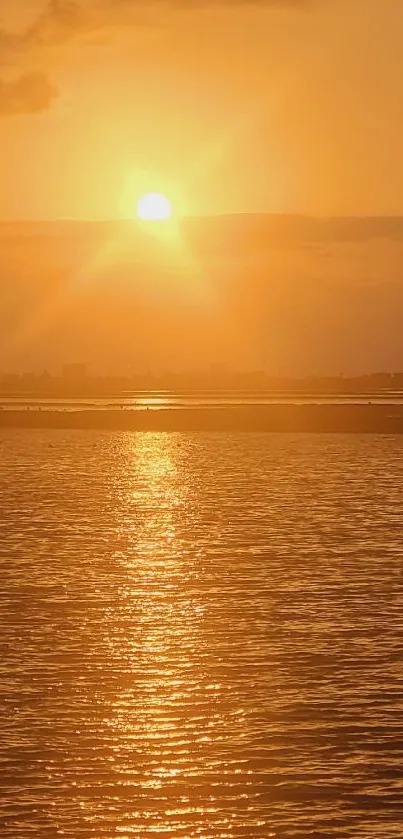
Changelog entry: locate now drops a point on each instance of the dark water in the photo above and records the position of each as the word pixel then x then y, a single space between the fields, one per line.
pixel 202 636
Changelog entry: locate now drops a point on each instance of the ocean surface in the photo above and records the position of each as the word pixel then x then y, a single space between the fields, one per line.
pixel 201 635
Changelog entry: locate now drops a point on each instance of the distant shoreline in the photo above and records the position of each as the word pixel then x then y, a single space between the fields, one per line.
pixel 316 418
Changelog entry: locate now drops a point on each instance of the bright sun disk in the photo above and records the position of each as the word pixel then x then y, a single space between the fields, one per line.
pixel 153 206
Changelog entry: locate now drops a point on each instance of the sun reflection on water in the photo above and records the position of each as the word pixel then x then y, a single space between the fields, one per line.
pixel 168 714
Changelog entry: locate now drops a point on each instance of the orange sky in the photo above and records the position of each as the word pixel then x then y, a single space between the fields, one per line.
pixel 234 108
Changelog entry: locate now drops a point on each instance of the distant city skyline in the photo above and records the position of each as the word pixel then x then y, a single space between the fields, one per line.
pixel 76 378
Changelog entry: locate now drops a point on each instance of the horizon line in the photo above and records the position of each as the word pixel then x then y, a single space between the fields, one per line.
pixel 206 217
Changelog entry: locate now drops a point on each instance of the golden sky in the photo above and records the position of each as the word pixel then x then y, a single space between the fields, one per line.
pixel 229 107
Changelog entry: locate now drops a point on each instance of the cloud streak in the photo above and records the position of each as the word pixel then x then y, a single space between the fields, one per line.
pixel 66 19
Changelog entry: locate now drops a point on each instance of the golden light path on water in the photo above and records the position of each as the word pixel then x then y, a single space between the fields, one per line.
pixel 172 720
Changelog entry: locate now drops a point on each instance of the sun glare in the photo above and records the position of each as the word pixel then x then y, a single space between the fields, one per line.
pixel 153 206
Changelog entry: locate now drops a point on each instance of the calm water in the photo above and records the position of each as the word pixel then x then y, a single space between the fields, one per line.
pixel 202 636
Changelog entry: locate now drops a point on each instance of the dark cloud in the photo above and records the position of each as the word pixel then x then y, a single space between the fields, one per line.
pixel 31 93
pixel 63 20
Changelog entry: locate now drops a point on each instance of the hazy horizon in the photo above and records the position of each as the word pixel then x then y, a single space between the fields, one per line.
pixel 126 219
pixel 292 295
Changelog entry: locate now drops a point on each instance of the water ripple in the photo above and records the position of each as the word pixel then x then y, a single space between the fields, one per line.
pixel 201 636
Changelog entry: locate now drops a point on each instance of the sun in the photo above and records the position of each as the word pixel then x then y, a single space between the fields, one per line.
pixel 153 206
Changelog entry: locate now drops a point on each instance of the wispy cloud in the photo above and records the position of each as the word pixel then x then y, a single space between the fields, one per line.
pixel 31 93
pixel 62 21
pixel 65 19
